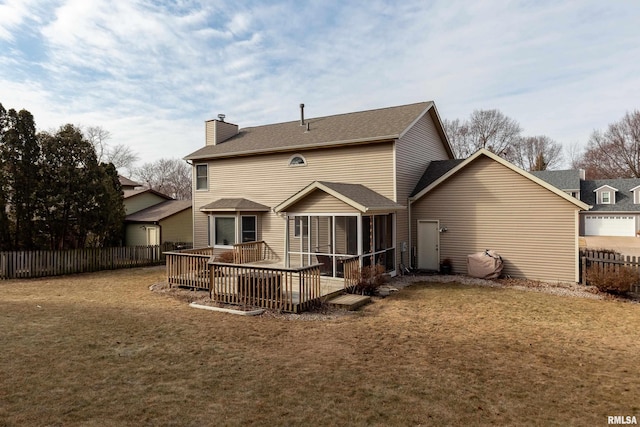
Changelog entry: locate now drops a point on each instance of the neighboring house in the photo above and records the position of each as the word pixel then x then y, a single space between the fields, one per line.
pixel 461 207
pixel 329 188
pixel 322 189
pixel 615 203
pixel 168 221
pixel 136 200
pixel 153 218
pixel 127 184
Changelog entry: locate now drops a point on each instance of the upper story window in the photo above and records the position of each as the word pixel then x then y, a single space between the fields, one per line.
pixel 297 160
pixel 636 195
pixel 605 195
pixel 202 180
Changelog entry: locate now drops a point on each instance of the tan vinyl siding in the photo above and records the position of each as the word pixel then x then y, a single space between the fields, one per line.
pixel 177 228
pixel 141 201
pixel 217 132
pixel 268 179
pixel 488 206
pixel 419 146
pixel 319 201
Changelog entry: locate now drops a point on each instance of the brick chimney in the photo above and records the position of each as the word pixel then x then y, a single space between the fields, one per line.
pixel 217 130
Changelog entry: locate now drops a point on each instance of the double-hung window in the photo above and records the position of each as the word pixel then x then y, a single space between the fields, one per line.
pixel 202 179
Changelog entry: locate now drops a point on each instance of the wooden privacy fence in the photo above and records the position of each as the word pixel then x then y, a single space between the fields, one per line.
pixel 31 264
pixel 608 261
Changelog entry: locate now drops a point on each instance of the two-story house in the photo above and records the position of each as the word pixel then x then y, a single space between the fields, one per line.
pixel 380 185
pixel 324 189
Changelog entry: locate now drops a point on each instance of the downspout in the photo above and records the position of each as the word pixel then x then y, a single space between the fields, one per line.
pixel 409 244
pixel 193 211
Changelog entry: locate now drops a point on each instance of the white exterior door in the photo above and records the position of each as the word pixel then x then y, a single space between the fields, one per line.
pixel 428 245
pixel 152 236
pixel 609 225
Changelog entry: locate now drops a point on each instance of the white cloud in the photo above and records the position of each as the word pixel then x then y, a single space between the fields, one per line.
pixel 152 72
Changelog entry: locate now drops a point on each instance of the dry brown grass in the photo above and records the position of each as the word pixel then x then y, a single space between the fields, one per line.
pixel 101 349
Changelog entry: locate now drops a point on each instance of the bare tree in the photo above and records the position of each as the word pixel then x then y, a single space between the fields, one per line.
pixel 458 135
pixel 493 130
pixel 98 137
pixel 614 153
pixel 488 129
pixel 573 153
pixel 168 176
pixel 122 156
pixel 537 153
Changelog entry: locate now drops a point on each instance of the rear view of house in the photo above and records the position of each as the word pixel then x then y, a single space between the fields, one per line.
pixel 317 190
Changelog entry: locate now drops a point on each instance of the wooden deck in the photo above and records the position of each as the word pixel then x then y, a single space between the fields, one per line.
pixel 257 280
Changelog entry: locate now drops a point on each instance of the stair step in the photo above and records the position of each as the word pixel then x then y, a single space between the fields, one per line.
pixel 349 301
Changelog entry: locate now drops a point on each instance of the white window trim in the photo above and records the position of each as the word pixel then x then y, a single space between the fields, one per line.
pixel 297 165
pixel 602 201
pixel 237 228
pixel 212 230
pixel 195 172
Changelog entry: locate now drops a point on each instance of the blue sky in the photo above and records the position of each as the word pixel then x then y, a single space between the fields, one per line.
pixel 151 72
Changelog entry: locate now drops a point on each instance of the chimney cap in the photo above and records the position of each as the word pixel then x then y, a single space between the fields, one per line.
pixel 221 117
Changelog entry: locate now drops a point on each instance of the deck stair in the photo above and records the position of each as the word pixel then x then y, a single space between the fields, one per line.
pixel 349 301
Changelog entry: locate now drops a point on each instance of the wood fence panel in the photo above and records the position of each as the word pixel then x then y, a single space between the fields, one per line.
pixel 609 263
pixel 33 264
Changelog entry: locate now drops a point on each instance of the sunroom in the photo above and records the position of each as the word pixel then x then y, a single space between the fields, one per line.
pixel 329 223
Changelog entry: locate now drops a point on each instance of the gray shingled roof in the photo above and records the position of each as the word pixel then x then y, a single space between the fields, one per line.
pixel 132 193
pixel 434 171
pixel 234 205
pixel 363 196
pixel 624 197
pixel 159 212
pixel 126 182
pixel 565 180
pixel 362 126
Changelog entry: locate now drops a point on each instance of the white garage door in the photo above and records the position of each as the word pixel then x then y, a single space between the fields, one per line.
pixel 603 225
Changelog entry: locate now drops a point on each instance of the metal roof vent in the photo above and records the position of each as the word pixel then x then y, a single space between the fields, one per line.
pixel 221 117
pixel 301 114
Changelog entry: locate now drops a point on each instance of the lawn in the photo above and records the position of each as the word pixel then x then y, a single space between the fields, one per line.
pixel 101 349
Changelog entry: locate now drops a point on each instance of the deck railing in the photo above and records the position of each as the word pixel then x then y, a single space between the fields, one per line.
pixel 288 289
pixel 351 272
pixel 189 267
pixel 248 252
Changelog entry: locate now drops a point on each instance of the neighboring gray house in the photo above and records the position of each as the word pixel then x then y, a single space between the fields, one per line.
pixel 615 207
pixel 615 203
